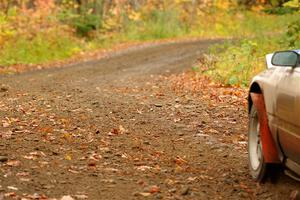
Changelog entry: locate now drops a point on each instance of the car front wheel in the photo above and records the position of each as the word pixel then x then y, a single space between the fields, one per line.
pixel 257 165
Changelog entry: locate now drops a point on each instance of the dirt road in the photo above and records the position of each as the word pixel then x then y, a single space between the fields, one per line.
pixel 117 129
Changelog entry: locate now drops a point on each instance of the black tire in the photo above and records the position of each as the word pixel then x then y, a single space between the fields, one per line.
pixel 258 168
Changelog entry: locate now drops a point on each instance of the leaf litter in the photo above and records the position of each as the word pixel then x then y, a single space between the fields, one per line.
pixel 156 137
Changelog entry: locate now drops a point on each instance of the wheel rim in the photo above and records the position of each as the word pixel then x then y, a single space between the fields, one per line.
pixel 255 147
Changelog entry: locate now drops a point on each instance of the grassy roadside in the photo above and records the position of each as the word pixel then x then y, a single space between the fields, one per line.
pixel 236 62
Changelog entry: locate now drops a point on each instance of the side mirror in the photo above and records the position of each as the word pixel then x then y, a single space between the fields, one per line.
pixel 285 58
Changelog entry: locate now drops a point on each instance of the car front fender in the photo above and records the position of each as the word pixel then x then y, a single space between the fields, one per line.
pixel 270 151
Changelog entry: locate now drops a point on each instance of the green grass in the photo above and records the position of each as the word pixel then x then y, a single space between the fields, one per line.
pixel 40 49
pixel 236 62
pixel 240 24
pixel 28 40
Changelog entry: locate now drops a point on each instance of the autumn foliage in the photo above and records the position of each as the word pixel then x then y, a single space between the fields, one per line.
pixel 39 31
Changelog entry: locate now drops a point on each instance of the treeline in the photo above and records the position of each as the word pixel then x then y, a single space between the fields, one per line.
pixel 85 16
pixel 104 5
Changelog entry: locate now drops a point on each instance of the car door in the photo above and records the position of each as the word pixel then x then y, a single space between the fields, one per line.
pixel 287 111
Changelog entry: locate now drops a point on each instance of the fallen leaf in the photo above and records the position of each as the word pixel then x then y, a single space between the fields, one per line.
pixel 145 194
pixel 191 179
pixel 12 188
pixel 92 163
pixel 111 169
pixel 154 189
pixel 10 194
pixel 73 171
pixel 22 174
pixel 122 130
pixel 5 124
pixel 113 132
pixel 30 157
pixel 25 179
pixel 68 157
pixel 179 161
pixel 68 197
pixel 13 163
pixel 80 196
pixel 143 168
pixel 6 135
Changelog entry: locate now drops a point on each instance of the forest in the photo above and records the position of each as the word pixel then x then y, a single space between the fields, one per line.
pixel 38 32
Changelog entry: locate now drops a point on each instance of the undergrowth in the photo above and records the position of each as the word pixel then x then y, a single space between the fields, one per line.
pixel 40 49
pixel 236 62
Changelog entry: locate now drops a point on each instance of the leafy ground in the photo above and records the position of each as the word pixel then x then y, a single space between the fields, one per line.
pixel 127 127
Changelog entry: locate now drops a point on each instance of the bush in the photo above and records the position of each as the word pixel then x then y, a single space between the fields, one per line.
pixel 83 24
pixel 280 10
pixel 237 62
pixel 293 34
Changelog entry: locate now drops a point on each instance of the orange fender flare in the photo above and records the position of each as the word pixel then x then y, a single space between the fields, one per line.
pixel 270 151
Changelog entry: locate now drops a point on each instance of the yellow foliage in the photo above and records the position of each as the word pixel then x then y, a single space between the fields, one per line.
pixel 111 23
pixel 135 16
pixel 224 4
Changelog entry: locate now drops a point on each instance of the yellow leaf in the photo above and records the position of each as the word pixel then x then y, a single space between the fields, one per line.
pixel 68 157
